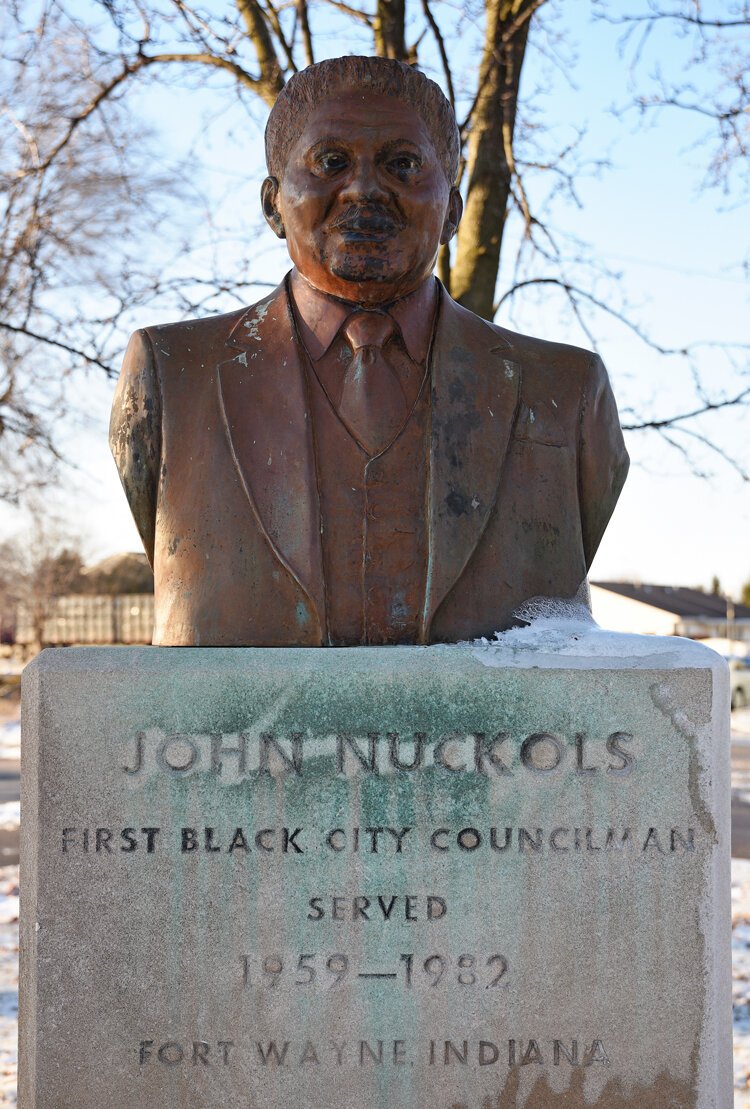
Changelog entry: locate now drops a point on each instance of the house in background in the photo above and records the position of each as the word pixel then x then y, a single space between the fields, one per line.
pixel 668 610
pixel 109 603
pixel 82 620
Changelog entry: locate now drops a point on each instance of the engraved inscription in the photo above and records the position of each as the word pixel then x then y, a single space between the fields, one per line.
pixel 408 907
pixel 493 841
pixel 492 754
pixel 512 1053
pixel 322 971
pixel 198 1052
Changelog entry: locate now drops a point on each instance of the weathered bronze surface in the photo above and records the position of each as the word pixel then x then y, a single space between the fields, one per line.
pixel 357 459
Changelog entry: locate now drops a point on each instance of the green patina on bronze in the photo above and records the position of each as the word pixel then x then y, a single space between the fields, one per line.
pixel 605 995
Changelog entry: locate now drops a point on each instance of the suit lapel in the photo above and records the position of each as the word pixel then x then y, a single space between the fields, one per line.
pixel 475 394
pixel 264 403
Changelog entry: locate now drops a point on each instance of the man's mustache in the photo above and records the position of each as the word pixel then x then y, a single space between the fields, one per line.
pixel 368 218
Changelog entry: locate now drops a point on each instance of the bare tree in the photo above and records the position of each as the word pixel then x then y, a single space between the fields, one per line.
pixel 715 47
pixel 72 161
pixel 35 567
pixel 70 198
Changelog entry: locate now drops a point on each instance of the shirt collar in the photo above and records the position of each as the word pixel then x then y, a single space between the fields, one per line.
pixel 322 317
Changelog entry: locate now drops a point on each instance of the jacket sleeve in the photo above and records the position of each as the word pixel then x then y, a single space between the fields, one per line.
pixel 603 461
pixel 135 435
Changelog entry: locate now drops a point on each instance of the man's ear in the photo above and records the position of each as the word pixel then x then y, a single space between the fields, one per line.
pixel 269 198
pixel 453 216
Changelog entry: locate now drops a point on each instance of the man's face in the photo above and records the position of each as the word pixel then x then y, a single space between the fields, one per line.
pixel 364 202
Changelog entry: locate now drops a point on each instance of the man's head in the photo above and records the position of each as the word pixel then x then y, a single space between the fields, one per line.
pixel 362 154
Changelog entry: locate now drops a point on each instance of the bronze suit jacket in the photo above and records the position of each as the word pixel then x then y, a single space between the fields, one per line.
pixel 213 441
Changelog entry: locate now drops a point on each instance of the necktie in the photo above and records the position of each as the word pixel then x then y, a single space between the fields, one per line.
pixel 373 405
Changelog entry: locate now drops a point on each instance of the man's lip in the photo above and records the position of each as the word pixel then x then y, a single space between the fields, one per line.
pixel 364 228
pixel 363 234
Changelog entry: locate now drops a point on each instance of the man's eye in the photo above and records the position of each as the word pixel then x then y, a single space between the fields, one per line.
pixel 404 163
pixel 331 161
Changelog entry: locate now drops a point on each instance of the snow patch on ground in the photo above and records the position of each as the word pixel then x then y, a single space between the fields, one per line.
pixel 8 983
pixel 10 739
pixel 741 980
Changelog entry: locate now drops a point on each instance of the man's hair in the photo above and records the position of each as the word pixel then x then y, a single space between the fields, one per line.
pixel 384 76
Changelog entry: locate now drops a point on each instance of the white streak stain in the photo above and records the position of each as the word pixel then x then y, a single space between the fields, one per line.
pixel 252 325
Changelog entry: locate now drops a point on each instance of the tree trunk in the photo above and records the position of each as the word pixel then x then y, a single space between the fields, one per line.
pixel 489 168
pixel 389 29
pixel 271 80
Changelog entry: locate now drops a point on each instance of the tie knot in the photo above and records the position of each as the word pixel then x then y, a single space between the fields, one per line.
pixel 369 329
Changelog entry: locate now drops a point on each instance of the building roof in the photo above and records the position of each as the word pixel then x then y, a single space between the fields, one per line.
pixel 677 599
pixel 117 562
pixel 120 573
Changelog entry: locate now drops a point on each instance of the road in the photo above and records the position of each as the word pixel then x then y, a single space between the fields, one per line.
pixel 10 780
pixel 10 790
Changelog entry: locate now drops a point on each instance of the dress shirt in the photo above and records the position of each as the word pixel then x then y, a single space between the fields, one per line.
pixel 374 533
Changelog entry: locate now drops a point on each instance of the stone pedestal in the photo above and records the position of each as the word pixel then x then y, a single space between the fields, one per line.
pixel 469 877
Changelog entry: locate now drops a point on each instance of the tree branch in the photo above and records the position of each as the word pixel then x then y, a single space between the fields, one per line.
pixel 710 445
pixel 286 46
pixel 441 48
pixel 574 291
pixel 680 17
pixel 271 80
pixel 722 115
pixel 213 60
pixel 89 358
pixel 355 13
pixel 304 22
pixel 682 417
pixel 139 62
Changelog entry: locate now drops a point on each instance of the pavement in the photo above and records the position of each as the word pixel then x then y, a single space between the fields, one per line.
pixel 10 780
pixel 10 791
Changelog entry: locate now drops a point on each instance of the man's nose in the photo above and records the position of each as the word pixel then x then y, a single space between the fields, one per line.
pixel 364 183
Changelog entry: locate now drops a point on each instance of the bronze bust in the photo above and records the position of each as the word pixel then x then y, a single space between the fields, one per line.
pixel 357 459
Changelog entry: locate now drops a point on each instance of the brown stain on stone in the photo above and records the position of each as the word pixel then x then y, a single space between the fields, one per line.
pixel 665 1093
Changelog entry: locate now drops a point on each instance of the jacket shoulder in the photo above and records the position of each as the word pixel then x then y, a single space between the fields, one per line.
pixel 533 354
pixel 544 353
pixel 204 330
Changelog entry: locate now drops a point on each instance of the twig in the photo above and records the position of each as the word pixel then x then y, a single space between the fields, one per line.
pixel 90 358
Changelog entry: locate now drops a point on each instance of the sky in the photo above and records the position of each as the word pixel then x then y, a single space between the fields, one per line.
pixel 679 248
